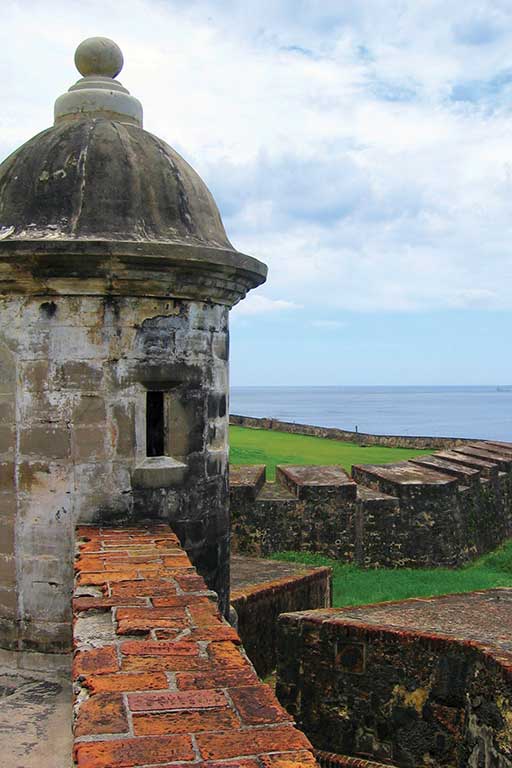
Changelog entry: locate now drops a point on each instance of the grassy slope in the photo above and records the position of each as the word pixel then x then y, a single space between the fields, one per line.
pixel 260 446
pixel 355 586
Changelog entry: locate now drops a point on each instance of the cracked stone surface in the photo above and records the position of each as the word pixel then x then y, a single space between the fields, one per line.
pixel 35 720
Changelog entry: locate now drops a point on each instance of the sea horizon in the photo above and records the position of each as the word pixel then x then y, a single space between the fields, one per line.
pixel 443 410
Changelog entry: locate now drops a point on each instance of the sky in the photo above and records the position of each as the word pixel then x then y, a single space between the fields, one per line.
pixel 362 149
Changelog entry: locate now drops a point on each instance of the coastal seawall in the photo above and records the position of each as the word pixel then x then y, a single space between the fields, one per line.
pixel 362 438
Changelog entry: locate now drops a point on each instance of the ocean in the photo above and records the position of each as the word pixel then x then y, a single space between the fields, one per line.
pixel 479 412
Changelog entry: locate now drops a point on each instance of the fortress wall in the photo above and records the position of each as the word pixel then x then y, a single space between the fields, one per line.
pixel 439 510
pixel 363 438
pixel 259 606
pixel 418 682
pixel 159 676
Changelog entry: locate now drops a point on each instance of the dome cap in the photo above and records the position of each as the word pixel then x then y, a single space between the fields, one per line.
pixel 99 60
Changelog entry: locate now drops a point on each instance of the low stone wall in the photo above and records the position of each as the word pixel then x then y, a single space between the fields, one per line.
pixel 417 683
pixel 345 435
pixel 438 510
pixel 258 607
pixel 160 678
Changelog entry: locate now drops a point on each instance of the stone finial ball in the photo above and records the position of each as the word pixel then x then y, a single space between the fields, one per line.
pixel 99 56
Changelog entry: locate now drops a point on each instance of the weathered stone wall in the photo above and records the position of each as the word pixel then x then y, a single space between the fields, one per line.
pixel 259 606
pixel 435 510
pixel 417 683
pixel 345 435
pixel 159 676
pixel 74 375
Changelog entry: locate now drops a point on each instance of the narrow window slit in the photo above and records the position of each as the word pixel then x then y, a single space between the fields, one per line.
pixel 155 424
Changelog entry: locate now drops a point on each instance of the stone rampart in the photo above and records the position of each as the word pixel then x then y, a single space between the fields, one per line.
pixel 258 607
pixel 413 683
pixel 345 435
pixel 439 510
pixel 160 678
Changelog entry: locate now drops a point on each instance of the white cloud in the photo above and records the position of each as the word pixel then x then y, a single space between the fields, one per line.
pixel 363 148
pixel 257 304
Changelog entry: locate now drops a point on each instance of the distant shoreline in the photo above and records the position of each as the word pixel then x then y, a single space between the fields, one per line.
pixel 361 438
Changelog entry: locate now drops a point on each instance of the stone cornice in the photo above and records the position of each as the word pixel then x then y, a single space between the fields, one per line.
pixel 129 268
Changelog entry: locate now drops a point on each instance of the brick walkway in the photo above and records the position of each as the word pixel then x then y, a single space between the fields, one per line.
pixel 159 677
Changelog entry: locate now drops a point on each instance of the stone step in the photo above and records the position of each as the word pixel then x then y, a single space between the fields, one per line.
pixel 307 481
pixel 332 760
pixel 466 475
pixel 404 479
pixel 247 481
pixel 488 469
pixel 275 492
pixel 370 498
pixel 502 461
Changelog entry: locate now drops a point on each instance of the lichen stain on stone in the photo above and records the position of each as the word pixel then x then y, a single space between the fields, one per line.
pixel 415 699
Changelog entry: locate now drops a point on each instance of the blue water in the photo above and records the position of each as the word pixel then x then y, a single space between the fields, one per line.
pixel 480 412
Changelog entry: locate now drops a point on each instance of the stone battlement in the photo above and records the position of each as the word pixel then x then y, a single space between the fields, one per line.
pixel 438 510
pixel 426 681
pixel 159 675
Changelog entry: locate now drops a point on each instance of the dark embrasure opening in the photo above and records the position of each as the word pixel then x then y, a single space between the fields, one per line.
pixel 155 424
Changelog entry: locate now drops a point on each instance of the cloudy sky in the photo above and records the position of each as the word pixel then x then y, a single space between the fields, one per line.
pixel 363 149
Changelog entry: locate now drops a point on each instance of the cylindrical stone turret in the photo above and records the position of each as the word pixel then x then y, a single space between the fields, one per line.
pixel 116 280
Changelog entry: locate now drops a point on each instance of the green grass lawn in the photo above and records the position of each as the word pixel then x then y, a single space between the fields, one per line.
pixel 356 586
pixel 261 446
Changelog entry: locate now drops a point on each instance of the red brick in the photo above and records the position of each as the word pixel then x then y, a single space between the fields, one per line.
pixel 257 705
pixel 176 561
pixel 180 600
pixel 168 634
pixel 148 648
pixel 98 661
pixel 300 759
pixel 126 681
pixel 144 626
pixel 150 613
pixel 184 722
pixel 191 583
pixel 164 663
pixel 146 702
pixel 237 743
pixel 168 540
pixel 144 587
pixel 220 633
pixel 102 578
pixel 227 655
pixel 103 713
pixel 99 603
pixel 244 763
pixel 205 616
pixel 126 753
pixel 90 563
pixel 217 678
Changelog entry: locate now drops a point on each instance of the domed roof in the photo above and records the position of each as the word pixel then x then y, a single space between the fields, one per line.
pixel 96 178
pixel 96 175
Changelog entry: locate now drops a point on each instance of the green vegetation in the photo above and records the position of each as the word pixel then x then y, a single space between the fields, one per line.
pixel 261 446
pixel 355 586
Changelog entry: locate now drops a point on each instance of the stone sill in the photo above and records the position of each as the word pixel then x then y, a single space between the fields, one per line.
pixel 159 472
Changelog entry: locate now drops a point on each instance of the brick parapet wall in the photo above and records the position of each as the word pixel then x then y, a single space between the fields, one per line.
pixel 258 608
pixel 438 510
pixel 418 682
pixel 159 677
pixel 345 435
